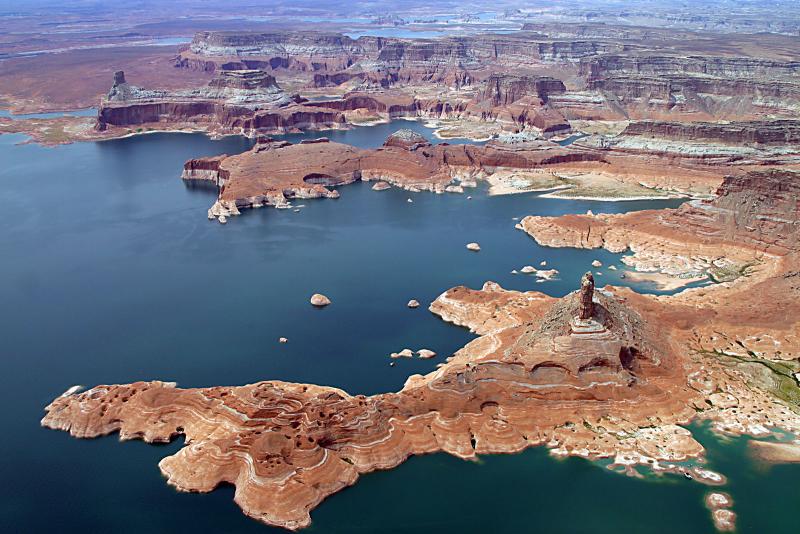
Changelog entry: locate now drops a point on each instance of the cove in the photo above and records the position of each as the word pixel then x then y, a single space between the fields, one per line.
pixel 111 273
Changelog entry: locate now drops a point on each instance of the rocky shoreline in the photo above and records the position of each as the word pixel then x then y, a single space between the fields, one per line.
pixel 275 172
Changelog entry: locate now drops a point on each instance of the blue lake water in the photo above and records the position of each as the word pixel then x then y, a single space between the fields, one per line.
pixel 169 41
pixel 397 32
pixel 431 31
pixel 112 273
pixel 372 136
pixel 88 112
pixel 156 41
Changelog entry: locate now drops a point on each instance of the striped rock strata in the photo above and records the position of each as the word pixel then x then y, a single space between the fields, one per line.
pixel 529 382
pixel 273 173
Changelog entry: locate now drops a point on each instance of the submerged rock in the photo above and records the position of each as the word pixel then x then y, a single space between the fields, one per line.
pixel 724 520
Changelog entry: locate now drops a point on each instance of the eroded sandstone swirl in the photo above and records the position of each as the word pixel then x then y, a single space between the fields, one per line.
pixel 606 375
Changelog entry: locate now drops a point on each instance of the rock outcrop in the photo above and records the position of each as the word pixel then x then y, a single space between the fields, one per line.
pixel 754 213
pixel 501 89
pixel 623 74
pixel 776 132
pixel 587 297
pixel 380 61
pixel 246 101
pixel 274 173
pixel 501 83
pixel 288 446
pixel 636 85
pixel 406 139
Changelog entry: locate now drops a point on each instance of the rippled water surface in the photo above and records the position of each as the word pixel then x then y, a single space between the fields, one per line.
pixel 112 273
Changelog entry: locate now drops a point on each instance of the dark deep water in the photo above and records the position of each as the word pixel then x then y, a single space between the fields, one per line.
pixel 112 273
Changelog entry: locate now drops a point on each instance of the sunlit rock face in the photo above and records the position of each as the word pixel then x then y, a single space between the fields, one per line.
pixel 287 446
pixel 272 172
pixel 230 98
pixel 502 89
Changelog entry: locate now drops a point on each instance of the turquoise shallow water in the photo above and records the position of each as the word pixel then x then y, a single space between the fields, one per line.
pixel 111 273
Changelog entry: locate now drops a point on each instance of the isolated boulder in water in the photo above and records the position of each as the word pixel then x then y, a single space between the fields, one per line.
pixel 319 300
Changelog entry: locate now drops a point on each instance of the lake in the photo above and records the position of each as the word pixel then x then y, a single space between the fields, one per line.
pixel 112 273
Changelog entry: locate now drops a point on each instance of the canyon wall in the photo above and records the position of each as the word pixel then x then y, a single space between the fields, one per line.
pixel 776 132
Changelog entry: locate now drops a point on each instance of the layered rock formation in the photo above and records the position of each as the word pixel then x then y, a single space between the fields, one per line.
pixel 753 217
pixel 691 87
pixel 501 90
pixel 242 101
pixel 647 159
pixel 250 102
pixel 714 66
pixel 776 132
pixel 694 157
pixel 614 74
pixel 379 60
pixel 488 83
pixel 538 81
pixel 287 446
pixel 312 51
pixel 273 173
pixel 522 101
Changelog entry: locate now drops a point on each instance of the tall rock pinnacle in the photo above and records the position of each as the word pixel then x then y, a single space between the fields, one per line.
pixel 587 293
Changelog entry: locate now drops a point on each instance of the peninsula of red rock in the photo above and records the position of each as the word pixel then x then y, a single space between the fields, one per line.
pixel 577 105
